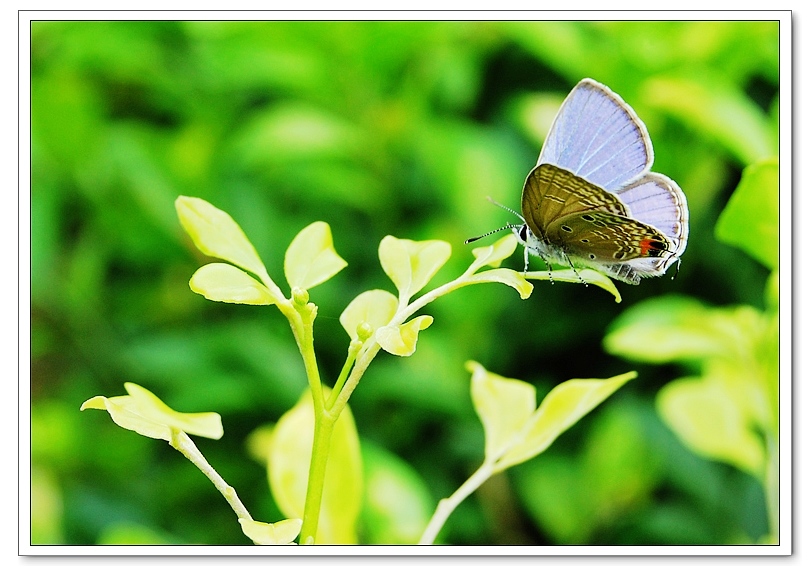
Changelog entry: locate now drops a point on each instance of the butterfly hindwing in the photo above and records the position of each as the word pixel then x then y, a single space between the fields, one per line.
pixel 604 238
pixel 657 200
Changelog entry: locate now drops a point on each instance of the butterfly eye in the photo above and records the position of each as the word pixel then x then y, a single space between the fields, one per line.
pixel 523 232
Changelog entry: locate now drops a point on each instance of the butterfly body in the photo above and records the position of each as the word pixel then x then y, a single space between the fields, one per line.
pixel 592 200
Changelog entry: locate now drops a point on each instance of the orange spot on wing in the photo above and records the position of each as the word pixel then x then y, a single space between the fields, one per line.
pixel 652 247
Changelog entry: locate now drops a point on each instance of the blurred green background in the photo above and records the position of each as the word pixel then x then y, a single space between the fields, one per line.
pixel 378 128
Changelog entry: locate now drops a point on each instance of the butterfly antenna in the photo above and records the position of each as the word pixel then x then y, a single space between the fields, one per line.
pixel 490 233
pixel 502 228
pixel 507 208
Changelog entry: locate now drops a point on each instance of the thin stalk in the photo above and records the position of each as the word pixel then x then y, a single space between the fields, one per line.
pixel 447 505
pixel 360 366
pixel 183 444
pixel 354 349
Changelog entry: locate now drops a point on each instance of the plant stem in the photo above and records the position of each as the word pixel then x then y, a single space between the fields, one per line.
pixel 447 505
pixel 324 425
pixel 182 443
pixel 354 349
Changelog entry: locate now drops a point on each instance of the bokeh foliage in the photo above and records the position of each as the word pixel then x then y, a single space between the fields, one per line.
pixel 377 128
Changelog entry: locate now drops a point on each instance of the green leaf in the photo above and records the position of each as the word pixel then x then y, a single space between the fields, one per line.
pixel 288 471
pixel 672 328
pixel 225 283
pixel 495 253
pixel 281 532
pixel 505 276
pixel 144 413
pixel 311 258
pixel 591 277
pixel 750 220
pixel 411 265
pixel 401 340
pixel 563 407
pixel 216 234
pixel 504 406
pixel 711 423
pixel 373 307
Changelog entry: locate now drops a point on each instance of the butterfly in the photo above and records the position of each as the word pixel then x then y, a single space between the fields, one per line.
pixel 591 201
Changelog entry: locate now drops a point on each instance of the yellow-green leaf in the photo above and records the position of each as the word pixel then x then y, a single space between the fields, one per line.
pixel 124 412
pixel 410 264
pixel 311 258
pixel 144 413
pixel 401 340
pixel 374 307
pixel 563 407
pixel 504 406
pixel 591 277
pixel 494 254
pixel 750 220
pixel 505 276
pixel 281 532
pixel 712 423
pixel 677 328
pixel 216 234
pixel 225 283
pixel 288 471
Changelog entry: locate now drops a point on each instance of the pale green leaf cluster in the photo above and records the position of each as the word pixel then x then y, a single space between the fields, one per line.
pixel 310 259
pixel 728 410
pixel 721 413
pixel 216 234
pixel 515 428
pixel 313 453
pixel 410 265
pixel 144 413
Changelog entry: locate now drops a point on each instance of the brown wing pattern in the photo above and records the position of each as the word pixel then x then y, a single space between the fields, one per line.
pixel 552 193
pixel 602 237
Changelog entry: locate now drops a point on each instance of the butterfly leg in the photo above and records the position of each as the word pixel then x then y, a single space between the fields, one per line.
pixel 525 260
pixel 548 265
pixel 571 264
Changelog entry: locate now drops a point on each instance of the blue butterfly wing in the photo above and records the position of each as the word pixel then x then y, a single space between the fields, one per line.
pixel 657 200
pixel 599 137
